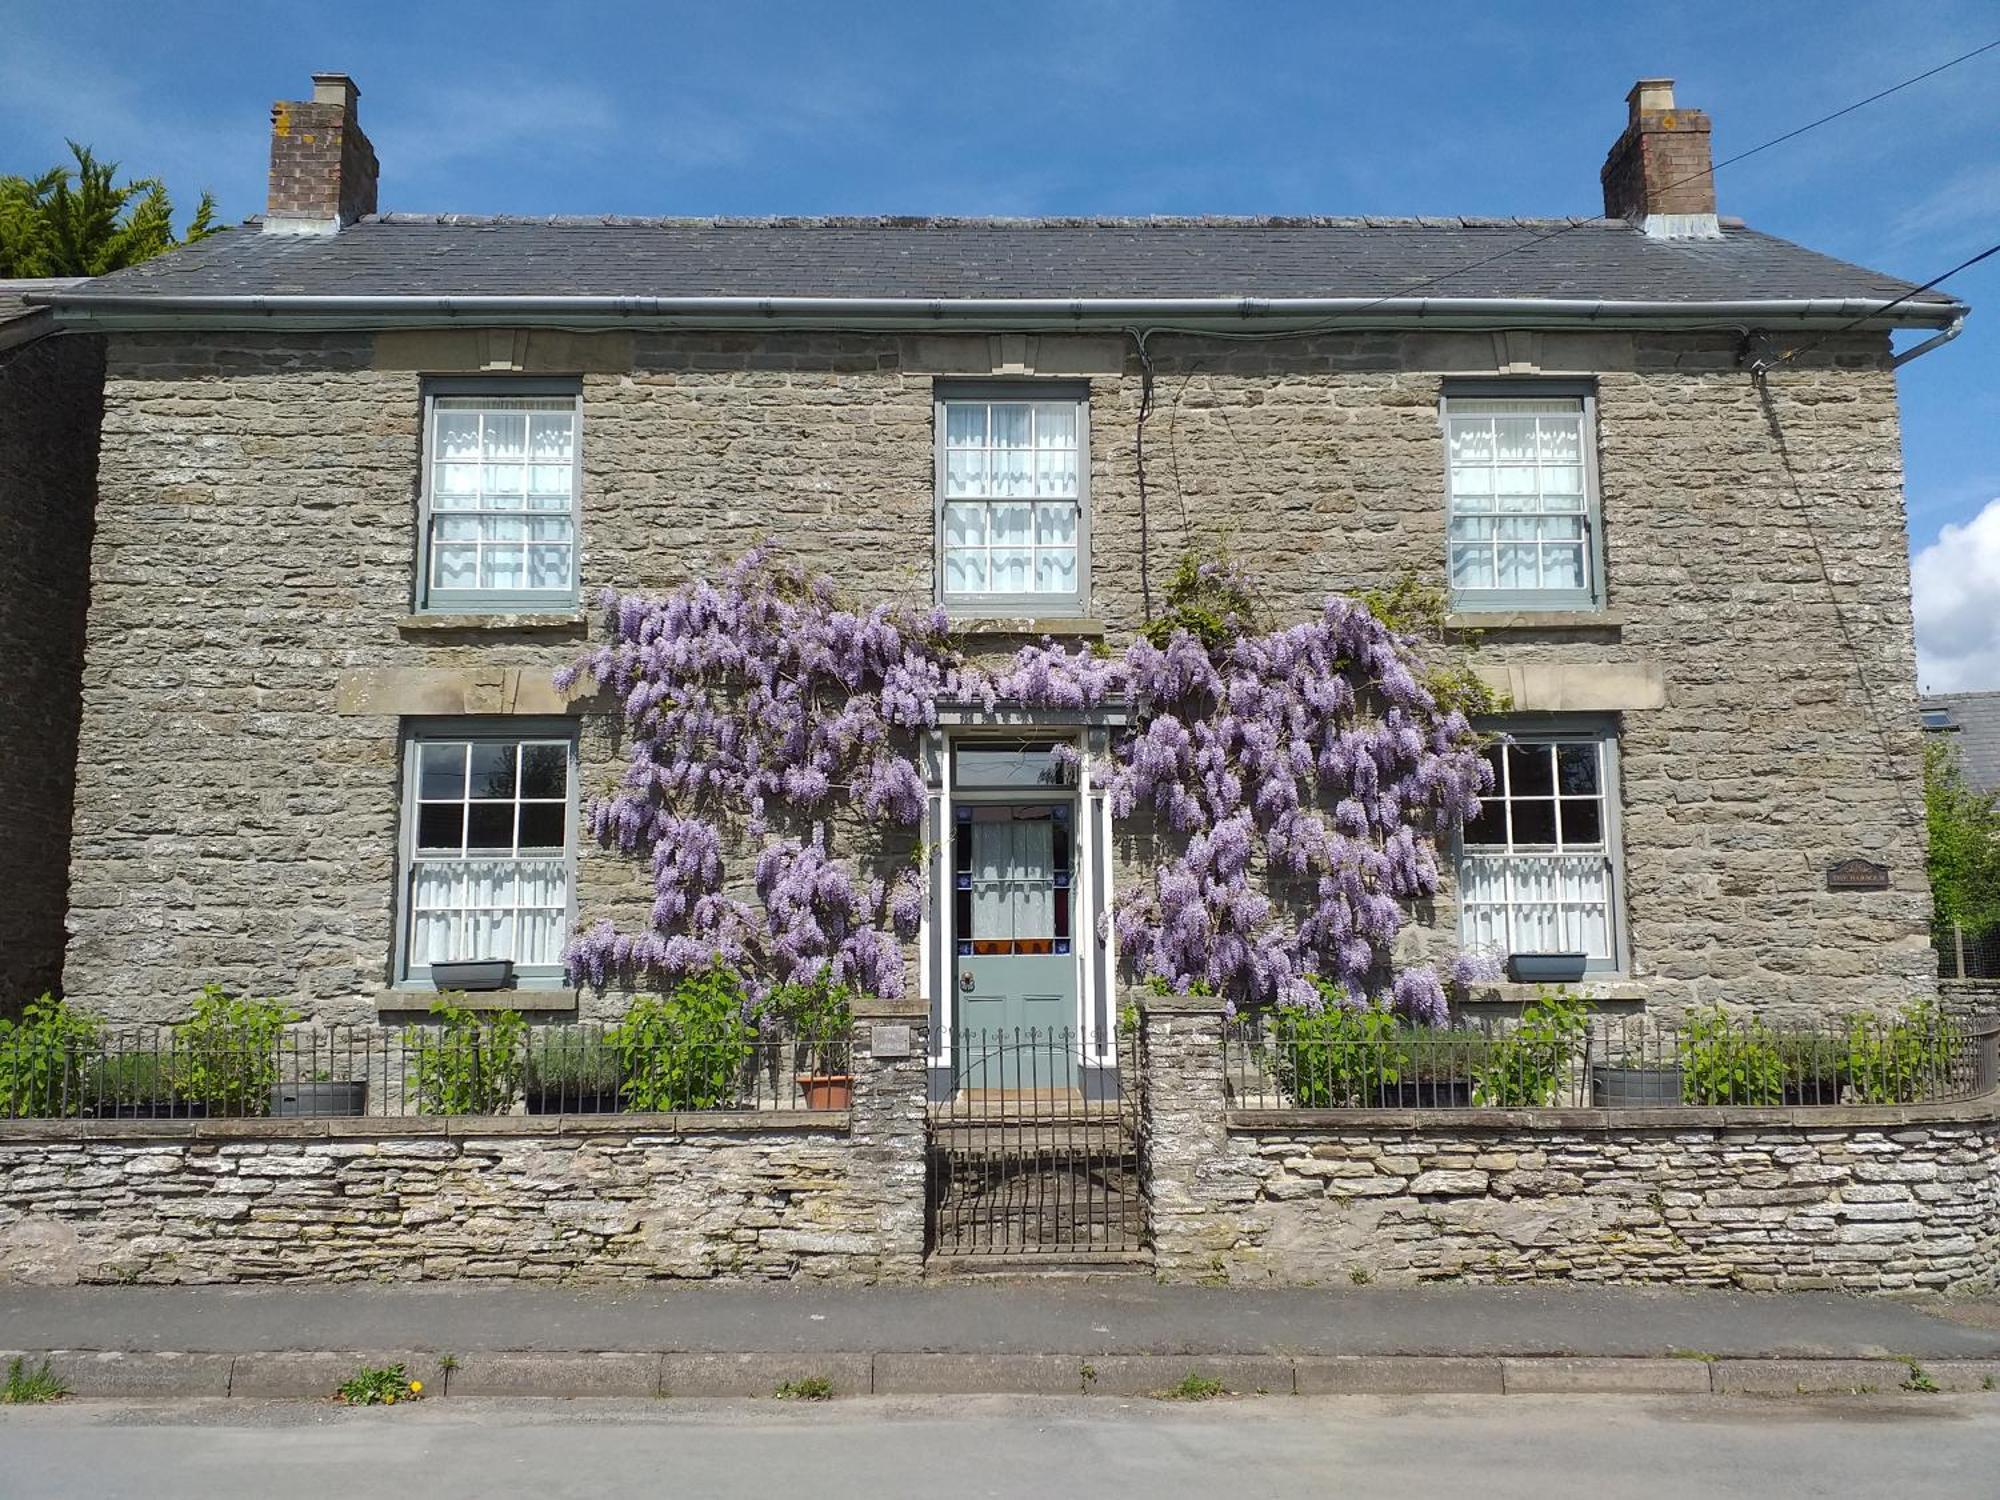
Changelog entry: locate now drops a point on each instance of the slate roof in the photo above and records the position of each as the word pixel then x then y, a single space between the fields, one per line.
pixel 1595 259
pixel 1974 731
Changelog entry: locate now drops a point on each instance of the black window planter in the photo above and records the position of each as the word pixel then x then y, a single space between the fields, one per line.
pixel 150 1109
pixel 319 1098
pixel 1546 968
pixel 474 974
pixel 1634 1088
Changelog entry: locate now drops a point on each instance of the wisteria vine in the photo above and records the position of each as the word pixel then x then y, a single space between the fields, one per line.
pixel 1297 780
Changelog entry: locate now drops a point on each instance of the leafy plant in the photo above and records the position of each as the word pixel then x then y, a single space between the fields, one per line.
pixel 42 1058
pixel 1338 1056
pixel 812 1388
pixel 379 1385
pixel 1727 1061
pixel 1898 1061
pixel 226 1054
pixel 26 1387
pixel 1527 1066
pixel 817 1013
pixel 1193 1387
pixel 689 1049
pixel 1209 599
pixel 1920 1379
pixel 472 1063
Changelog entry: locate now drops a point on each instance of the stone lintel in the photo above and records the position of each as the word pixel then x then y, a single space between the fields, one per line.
pixel 522 351
pixel 1016 354
pixel 1578 687
pixel 905 1008
pixel 396 692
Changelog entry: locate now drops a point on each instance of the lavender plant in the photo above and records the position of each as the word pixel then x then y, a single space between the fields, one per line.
pixel 1299 776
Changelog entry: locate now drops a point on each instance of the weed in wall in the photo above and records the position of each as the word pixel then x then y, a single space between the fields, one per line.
pixel 1192 1387
pixel 812 1388
pixel 382 1385
pixel 26 1387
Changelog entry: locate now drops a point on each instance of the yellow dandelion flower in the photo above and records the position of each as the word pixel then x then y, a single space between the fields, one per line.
pixel 390 1399
pixel 416 1387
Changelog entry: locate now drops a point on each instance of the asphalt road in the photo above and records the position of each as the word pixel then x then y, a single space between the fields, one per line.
pixel 1604 1448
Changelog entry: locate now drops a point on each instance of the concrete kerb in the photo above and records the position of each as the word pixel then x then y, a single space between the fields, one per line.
pixel 582 1374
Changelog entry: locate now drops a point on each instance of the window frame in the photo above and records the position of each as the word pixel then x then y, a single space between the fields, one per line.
pixel 427 600
pixel 1034 605
pixel 1592 598
pixel 1604 731
pixel 416 733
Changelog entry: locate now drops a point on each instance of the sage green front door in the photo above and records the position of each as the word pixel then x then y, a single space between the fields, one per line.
pixel 1013 946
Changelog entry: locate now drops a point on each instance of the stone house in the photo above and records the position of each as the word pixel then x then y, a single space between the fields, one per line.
pixel 362 475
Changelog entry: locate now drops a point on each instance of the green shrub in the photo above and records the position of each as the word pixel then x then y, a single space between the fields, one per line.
pixel 226 1054
pixel 1727 1061
pixel 1335 1057
pixel 690 1049
pixel 471 1065
pixel 571 1064
pixel 1900 1061
pixel 1526 1067
pixel 42 1060
pixel 818 1015
pixel 134 1078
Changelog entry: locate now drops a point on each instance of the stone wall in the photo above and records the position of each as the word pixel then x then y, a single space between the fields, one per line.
pixel 49 410
pixel 250 639
pixel 826 1195
pixel 1855 1199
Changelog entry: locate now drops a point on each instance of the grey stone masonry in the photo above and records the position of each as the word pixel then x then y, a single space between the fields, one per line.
pixel 1855 1199
pixel 253 657
pixel 50 404
pixel 730 1195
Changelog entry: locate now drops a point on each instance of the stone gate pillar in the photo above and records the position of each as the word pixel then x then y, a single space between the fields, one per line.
pixel 1184 1163
pixel 891 1087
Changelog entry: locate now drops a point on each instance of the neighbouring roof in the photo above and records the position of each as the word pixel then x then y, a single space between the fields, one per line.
pixel 1974 728
pixel 21 321
pixel 1572 261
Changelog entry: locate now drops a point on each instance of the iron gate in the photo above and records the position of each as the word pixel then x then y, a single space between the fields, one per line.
pixel 1032 1151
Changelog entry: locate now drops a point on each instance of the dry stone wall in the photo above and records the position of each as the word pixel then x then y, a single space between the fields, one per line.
pixel 1861 1200
pixel 252 576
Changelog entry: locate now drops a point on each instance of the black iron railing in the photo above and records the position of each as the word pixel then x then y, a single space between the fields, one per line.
pixel 1346 1062
pixel 167 1073
pixel 1034 1148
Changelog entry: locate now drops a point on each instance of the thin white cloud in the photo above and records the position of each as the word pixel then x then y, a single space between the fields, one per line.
pixel 1957 586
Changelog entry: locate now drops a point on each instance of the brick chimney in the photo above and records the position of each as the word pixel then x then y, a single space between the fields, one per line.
pixel 1659 174
pixel 322 168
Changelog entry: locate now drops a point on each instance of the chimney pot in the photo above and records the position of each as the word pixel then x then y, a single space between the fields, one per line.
pixel 1660 174
pixel 1649 96
pixel 338 88
pixel 323 170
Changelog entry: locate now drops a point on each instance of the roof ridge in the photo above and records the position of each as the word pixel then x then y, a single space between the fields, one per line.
pixel 957 221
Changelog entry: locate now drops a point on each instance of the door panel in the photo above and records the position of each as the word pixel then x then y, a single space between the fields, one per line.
pixel 1014 957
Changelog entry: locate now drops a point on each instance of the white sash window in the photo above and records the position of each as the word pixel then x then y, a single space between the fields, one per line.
pixel 1536 872
pixel 1523 502
pixel 500 502
pixel 1012 475
pixel 488 852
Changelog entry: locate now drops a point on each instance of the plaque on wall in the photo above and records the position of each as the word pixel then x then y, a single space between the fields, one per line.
pixel 1857 875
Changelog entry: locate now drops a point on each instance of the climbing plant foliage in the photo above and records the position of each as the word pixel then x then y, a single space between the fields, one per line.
pixel 1285 786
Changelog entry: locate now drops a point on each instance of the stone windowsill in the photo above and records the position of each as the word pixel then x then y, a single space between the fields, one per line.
pixel 1525 620
pixel 1073 626
pixel 1608 993
pixel 441 624
pixel 452 1127
pixel 539 1001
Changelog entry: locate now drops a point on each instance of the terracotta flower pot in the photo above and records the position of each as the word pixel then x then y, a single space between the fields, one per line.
pixel 827 1090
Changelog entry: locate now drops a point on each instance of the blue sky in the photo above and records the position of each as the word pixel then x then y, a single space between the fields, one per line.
pixel 1102 106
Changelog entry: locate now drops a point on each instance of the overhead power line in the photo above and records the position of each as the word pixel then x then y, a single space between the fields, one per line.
pixel 1554 234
